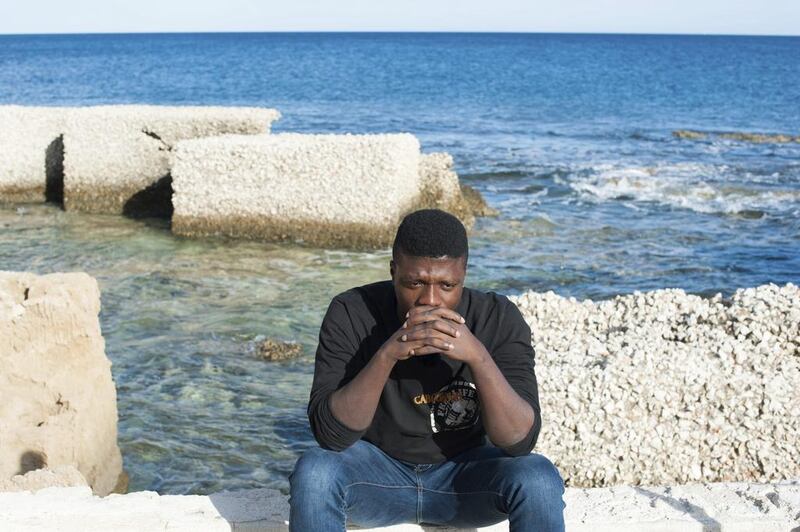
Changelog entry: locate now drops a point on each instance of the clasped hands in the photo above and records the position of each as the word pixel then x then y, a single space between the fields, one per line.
pixel 428 330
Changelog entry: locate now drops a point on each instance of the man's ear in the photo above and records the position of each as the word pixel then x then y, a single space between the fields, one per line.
pixel 391 268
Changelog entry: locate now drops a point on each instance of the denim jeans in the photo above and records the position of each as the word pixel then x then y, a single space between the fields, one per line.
pixel 362 485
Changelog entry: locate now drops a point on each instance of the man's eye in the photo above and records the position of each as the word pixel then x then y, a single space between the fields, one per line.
pixel 448 286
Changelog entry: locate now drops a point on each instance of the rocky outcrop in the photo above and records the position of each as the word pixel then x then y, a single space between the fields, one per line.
pixel 117 159
pixel 58 404
pixel 667 388
pixel 329 190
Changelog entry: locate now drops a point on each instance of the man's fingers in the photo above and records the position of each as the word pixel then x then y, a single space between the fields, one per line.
pixel 427 350
pixel 425 313
pixel 436 342
pixel 426 328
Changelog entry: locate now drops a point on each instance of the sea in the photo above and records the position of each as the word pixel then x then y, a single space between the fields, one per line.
pixel 571 138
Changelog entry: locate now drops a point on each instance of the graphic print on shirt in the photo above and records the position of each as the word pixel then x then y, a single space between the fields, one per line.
pixel 454 407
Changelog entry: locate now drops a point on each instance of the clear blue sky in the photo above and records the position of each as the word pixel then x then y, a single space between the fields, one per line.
pixel 761 17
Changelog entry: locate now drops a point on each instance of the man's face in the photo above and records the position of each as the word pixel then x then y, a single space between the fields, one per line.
pixel 418 281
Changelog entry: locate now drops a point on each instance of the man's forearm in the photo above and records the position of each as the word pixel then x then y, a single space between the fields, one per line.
pixel 354 404
pixel 507 417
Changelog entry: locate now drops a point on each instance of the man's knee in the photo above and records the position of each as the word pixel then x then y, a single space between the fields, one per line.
pixel 535 475
pixel 316 469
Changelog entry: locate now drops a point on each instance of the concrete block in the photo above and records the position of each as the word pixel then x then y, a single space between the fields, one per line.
pixel 329 190
pixel 117 159
pixel 31 153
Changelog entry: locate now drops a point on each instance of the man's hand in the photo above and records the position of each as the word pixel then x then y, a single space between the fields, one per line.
pixel 429 330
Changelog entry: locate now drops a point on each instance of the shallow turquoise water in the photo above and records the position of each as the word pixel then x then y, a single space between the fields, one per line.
pixel 198 410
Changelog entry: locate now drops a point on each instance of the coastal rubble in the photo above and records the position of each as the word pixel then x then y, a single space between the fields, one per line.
pixel 666 387
pixel 329 190
pixel 688 508
pixel 64 407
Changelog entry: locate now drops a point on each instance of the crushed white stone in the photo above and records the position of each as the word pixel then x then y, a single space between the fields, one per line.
pixel 665 387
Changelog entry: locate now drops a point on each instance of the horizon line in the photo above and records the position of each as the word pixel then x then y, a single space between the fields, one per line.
pixel 397 32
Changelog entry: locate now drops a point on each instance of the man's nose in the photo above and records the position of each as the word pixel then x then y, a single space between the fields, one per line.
pixel 430 296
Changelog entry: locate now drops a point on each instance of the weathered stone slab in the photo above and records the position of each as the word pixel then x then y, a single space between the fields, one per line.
pixel 734 507
pixel 330 190
pixel 59 404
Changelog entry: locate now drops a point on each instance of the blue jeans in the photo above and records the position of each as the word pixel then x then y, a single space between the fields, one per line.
pixel 482 486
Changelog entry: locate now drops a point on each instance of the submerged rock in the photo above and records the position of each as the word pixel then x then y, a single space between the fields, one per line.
pixel 758 138
pixel 63 407
pixel 688 134
pixel 274 350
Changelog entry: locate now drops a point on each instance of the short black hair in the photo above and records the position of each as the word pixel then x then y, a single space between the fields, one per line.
pixel 431 233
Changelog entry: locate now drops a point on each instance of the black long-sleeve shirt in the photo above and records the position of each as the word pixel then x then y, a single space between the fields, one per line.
pixel 429 409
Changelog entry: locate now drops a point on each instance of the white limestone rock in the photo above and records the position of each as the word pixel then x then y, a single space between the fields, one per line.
pixel 57 398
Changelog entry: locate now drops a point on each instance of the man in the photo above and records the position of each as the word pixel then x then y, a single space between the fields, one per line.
pixel 412 375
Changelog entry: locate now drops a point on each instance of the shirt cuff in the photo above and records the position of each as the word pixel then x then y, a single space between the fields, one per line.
pixel 331 433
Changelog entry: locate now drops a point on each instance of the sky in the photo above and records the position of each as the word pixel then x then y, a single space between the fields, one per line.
pixel 737 17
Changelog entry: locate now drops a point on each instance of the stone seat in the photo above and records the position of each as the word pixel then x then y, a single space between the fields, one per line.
pixel 693 507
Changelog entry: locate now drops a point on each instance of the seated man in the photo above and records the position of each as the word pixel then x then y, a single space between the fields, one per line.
pixel 412 375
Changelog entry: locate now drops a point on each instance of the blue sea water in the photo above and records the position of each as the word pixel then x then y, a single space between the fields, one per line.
pixel 569 137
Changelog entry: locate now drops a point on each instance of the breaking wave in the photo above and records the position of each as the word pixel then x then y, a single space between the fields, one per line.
pixel 701 188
